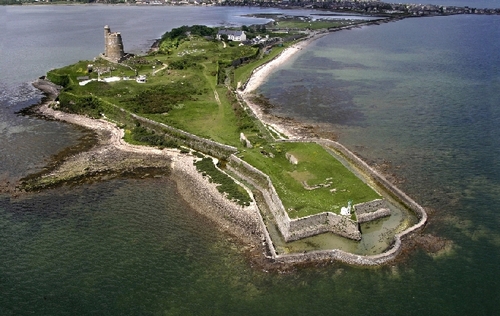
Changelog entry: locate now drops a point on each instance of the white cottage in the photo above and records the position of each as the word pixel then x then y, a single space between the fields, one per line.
pixel 237 36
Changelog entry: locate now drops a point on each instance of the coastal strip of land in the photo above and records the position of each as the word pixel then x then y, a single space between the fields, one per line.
pixel 113 156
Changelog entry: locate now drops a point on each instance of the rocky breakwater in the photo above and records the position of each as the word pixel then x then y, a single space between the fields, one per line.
pixel 203 196
pixel 50 90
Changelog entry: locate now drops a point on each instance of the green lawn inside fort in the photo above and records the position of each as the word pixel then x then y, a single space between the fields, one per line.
pixel 190 83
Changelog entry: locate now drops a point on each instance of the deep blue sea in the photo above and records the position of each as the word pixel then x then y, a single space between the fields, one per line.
pixel 417 98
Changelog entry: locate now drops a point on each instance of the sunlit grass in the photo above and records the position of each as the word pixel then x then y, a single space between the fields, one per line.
pixel 317 183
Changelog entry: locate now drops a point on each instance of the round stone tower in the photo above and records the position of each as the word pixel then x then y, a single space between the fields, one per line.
pixel 113 45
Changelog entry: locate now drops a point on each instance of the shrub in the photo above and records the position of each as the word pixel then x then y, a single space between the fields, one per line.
pixel 143 135
pixel 161 99
pixel 62 80
pixel 85 105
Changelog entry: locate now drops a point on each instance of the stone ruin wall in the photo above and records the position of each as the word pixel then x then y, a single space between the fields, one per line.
pixel 113 45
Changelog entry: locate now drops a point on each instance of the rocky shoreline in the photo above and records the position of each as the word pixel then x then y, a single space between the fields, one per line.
pixel 109 156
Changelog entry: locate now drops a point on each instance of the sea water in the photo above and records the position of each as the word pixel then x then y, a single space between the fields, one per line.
pixel 417 98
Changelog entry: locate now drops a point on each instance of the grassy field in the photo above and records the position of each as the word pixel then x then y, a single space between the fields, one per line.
pixel 317 183
pixel 189 86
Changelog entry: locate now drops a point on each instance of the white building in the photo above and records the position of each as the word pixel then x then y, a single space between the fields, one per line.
pixel 237 36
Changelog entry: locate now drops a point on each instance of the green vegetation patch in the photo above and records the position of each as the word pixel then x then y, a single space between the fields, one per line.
pixel 160 98
pixel 226 184
pixel 318 182
pixel 84 105
pixel 143 136
pixel 243 73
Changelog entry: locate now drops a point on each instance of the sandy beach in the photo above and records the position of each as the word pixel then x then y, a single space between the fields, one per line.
pixel 260 74
pixel 286 126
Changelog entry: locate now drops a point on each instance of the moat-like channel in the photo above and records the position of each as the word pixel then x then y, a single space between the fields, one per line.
pixel 377 235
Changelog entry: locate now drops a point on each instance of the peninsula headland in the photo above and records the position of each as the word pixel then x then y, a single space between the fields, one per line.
pixel 191 100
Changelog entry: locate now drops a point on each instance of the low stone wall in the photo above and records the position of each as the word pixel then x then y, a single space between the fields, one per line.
pixel 369 207
pixel 342 256
pixel 207 146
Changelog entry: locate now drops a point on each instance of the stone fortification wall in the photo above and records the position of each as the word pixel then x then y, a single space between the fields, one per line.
pixel 372 260
pixel 377 177
pixel 300 228
pixel 368 217
pixel 369 211
pixel 262 182
pixel 189 140
pixel 323 223
pixel 297 228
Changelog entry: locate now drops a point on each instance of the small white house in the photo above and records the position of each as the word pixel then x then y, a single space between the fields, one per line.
pixel 236 36
pixel 141 79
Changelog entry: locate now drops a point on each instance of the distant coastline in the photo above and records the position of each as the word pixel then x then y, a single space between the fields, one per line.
pixel 374 8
